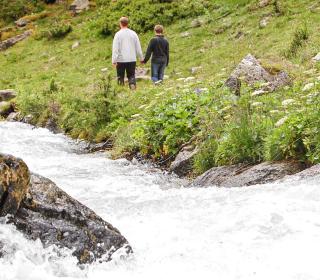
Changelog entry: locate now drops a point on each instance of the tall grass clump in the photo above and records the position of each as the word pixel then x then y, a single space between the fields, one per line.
pixel 242 138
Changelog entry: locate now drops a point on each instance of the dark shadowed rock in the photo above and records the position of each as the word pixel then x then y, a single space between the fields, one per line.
pixel 49 214
pixel 12 41
pixel 251 72
pixel 1 250
pixel 14 183
pixel 7 94
pixel 244 175
pixel 307 173
pixel 234 84
pixel 182 164
pixel 53 126
pixel 5 108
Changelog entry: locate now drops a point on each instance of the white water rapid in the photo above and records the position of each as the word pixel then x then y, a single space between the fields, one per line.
pixel 267 232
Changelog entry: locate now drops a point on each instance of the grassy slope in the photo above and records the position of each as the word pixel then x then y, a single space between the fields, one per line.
pixel 32 64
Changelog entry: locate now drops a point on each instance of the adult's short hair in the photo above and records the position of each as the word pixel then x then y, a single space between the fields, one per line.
pixel 124 21
pixel 159 29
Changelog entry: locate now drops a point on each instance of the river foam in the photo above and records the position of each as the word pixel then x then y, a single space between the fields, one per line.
pixel 260 232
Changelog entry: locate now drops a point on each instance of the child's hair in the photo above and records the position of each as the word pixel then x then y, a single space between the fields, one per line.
pixel 124 21
pixel 158 29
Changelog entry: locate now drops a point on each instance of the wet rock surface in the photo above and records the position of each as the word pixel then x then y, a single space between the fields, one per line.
pixel 14 184
pixel 244 175
pixel 51 215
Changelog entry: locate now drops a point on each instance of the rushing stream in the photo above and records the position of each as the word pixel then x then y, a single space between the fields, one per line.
pixel 261 232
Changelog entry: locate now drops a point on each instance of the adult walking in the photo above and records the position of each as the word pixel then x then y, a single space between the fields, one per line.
pixel 159 49
pixel 125 50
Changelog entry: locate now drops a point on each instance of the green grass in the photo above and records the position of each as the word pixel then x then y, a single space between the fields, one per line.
pixel 158 120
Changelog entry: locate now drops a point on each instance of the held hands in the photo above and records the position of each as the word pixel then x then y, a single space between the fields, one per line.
pixel 142 62
pixel 114 65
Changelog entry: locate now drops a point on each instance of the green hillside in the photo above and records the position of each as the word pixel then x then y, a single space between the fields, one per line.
pixel 77 88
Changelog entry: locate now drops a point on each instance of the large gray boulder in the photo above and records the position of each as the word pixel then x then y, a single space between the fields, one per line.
pixel 243 175
pixel 78 6
pixel 51 215
pixel 251 72
pixel 14 40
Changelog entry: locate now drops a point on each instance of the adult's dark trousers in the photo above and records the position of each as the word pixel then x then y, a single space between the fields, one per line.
pixel 130 69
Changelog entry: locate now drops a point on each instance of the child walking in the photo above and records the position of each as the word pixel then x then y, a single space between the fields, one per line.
pixel 159 49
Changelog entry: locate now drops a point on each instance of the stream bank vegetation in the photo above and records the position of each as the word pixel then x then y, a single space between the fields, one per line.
pixel 76 88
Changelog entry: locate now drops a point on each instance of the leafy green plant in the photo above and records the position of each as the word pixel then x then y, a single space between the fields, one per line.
pixel 298 137
pixel 168 125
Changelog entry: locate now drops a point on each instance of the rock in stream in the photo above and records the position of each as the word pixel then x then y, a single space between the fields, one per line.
pixel 43 211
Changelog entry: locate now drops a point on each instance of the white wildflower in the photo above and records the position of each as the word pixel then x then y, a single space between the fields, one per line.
pixel 188 79
pixel 256 104
pixel 281 121
pixel 288 102
pixel 258 92
pixel 307 87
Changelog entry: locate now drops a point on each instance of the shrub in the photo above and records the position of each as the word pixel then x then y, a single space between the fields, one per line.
pixel 11 10
pixel 300 36
pixel 40 104
pixel 57 31
pixel 144 14
pixel 86 115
